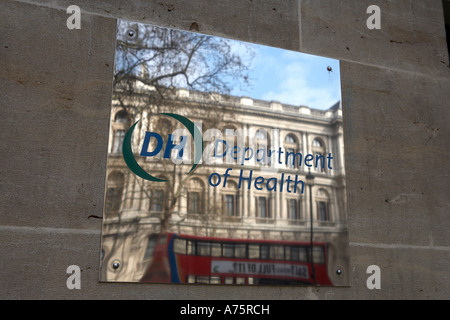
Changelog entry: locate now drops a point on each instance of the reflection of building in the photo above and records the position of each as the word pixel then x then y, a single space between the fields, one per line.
pixel 137 209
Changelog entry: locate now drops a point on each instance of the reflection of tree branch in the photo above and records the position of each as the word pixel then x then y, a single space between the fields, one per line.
pixel 139 46
pixel 161 58
pixel 169 53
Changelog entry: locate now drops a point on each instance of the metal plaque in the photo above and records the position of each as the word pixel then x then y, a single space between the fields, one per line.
pixel 225 164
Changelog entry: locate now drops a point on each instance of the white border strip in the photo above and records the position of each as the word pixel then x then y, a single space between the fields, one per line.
pixel 397 246
pixel 49 230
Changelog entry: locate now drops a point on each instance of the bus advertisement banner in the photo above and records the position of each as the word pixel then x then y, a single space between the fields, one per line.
pixel 259 269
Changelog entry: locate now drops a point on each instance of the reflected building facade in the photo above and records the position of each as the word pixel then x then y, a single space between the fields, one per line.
pixel 137 210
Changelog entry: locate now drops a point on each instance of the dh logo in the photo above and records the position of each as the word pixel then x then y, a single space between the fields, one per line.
pixel 138 170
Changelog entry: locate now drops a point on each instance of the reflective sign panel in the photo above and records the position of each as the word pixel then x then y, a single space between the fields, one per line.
pixel 225 164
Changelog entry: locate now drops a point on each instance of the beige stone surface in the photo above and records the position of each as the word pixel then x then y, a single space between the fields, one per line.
pixel 56 92
pixel 35 260
pixel 273 23
pixel 396 155
pixel 55 97
pixel 412 34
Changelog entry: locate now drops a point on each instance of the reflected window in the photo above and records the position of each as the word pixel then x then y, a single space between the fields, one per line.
pixel 194 203
pixel 202 279
pixel 317 143
pixel 179 246
pixel 318 150
pixel 230 206
pixel 195 198
pixel 253 251
pixel 228 250
pixel 287 253
pixel 291 147
pixel 294 209
pixel 203 248
pixel 264 251
pixel 323 213
pixel 214 280
pixel 216 249
pixel 261 134
pixel 263 207
pixel 277 252
pixel 299 254
pixel 190 279
pixel 190 247
pixel 121 117
pixel 240 250
pixel 228 280
pixel 290 158
pixel 230 137
pixel 323 205
pixel 289 139
pixel 156 200
pixel 319 162
pixel 117 144
pixel 114 192
pixel 318 255
pixel 230 200
pixel 262 146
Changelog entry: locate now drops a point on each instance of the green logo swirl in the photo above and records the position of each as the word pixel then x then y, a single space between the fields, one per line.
pixel 139 171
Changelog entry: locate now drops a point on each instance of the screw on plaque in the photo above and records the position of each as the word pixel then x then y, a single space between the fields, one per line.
pixel 338 272
pixel 131 33
pixel 116 264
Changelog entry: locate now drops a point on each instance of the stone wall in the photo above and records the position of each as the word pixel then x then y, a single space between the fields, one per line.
pixel 55 102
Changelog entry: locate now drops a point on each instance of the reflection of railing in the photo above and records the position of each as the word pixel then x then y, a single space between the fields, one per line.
pixel 195 217
pixel 232 219
pixel 296 222
pixel 215 220
pixel 156 214
pixel 265 220
pixel 326 223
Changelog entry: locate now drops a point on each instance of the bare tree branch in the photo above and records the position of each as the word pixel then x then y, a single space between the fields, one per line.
pixel 163 60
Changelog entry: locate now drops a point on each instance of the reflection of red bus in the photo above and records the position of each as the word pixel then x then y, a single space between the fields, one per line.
pixel 193 259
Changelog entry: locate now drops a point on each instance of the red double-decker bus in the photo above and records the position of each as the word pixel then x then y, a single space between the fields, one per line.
pixel 193 259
